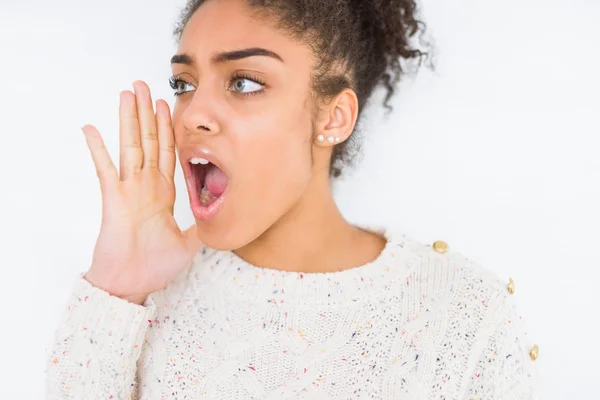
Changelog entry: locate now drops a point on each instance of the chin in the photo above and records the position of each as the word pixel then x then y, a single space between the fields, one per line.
pixel 223 237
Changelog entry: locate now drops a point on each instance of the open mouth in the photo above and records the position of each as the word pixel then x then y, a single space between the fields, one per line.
pixel 209 182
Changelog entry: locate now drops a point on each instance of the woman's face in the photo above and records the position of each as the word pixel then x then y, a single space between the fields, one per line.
pixel 245 105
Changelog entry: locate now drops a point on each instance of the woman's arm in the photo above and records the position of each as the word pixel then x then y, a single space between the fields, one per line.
pixel 96 346
pixel 504 368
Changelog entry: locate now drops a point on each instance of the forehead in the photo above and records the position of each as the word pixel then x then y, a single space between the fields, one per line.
pixel 226 25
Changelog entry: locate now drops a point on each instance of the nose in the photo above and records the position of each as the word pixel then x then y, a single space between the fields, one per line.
pixel 199 117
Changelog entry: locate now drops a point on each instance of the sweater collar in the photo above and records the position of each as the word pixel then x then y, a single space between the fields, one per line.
pixel 235 277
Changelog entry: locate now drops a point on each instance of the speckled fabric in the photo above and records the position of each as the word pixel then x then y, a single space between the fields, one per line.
pixel 412 324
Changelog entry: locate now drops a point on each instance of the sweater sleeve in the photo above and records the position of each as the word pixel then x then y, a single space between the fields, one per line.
pixel 504 368
pixel 96 346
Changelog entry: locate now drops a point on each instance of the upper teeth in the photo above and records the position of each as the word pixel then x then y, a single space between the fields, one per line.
pixel 198 160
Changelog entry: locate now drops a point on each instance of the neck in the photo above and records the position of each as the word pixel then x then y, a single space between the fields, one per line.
pixel 313 236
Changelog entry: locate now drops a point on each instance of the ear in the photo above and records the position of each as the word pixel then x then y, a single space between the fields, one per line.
pixel 337 119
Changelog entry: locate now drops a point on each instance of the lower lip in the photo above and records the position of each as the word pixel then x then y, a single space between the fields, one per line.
pixel 200 212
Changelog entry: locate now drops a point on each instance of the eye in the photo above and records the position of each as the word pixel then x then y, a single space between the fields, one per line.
pixel 245 85
pixel 179 86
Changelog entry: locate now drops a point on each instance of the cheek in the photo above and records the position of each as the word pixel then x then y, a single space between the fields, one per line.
pixel 278 151
pixel 177 123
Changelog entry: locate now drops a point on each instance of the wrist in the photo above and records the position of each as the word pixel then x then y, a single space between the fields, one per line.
pixel 136 298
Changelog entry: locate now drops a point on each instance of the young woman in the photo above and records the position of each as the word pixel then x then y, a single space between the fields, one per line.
pixel 272 294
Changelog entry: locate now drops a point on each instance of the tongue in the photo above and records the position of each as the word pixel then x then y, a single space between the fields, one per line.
pixel 215 181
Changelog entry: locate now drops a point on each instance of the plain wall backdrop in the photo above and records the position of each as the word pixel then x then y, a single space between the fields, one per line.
pixel 496 153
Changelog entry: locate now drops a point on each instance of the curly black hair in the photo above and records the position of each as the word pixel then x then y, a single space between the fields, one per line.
pixel 359 44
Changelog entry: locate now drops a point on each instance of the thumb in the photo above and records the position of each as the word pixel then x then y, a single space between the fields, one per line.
pixel 192 240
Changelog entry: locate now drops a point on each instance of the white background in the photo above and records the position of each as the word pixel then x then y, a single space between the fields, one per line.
pixel 496 153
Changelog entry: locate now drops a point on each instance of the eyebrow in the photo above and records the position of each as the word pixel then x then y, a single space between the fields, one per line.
pixel 227 56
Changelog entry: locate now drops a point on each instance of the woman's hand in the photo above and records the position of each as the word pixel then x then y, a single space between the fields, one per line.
pixel 140 248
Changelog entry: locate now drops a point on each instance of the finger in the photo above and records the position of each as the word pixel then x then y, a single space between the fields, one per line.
pixel 148 130
pixel 105 169
pixel 130 148
pixel 192 240
pixel 166 140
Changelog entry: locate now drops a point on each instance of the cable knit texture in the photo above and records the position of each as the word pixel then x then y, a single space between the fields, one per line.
pixel 412 324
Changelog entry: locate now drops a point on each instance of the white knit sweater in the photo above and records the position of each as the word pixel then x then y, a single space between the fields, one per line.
pixel 413 324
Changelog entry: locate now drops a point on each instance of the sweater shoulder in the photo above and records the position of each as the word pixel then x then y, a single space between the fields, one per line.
pixel 442 271
pixel 473 298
